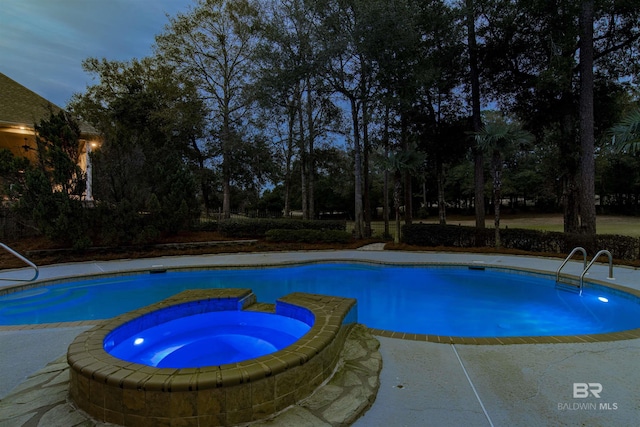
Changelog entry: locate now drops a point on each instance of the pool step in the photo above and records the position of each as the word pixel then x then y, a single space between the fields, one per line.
pixel 567 284
pixel 262 306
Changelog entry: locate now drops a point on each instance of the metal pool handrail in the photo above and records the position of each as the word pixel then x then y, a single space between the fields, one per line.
pixel 23 259
pixel 595 258
pixel 584 266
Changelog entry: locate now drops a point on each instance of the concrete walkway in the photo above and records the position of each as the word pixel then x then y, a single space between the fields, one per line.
pixel 425 383
pixel 24 352
pixel 428 384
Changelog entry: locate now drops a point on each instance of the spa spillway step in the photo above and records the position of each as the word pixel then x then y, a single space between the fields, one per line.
pixel 262 306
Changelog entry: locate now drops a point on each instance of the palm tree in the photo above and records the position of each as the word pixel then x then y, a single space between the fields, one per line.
pixel 498 139
pixel 625 135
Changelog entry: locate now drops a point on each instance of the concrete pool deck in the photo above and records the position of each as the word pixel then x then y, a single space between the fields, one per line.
pixel 421 383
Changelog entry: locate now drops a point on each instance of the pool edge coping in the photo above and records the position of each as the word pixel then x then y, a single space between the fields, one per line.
pixel 442 339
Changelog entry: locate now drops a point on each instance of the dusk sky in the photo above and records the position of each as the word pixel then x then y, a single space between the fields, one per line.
pixel 43 42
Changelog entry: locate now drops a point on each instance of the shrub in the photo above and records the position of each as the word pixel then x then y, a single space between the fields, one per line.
pixel 531 240
pixel 257 228
pixel 308 236
pixel 621 247
pixel 57 215
pixel 117 225
pixel 50 193
pixel 433 235
pixel 445 235
pixel 206 226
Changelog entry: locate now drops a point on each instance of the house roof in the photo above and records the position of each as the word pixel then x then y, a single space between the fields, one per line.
pixel 20 106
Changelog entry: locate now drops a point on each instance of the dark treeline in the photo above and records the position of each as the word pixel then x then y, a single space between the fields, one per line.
pixel 374 109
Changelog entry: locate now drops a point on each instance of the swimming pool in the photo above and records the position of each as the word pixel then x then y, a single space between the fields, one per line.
pixel 453 301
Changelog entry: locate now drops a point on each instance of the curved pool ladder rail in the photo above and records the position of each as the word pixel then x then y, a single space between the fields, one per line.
pixel 23 259
pixel 585 267
pixel 595 258
pixel 566 260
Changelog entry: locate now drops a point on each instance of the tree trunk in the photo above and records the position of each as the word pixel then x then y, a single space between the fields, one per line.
pixel 385 207
pixel 474 77
pixel 365 171
pixel 204 187
pixel 408 200
pixel 587 143
pixel 311 214
pixel 442 207
pixel 303 162
pixel 226 172
pixel 397 190
pixel 478 176
pixel 570 195
pixel 408 204
pixel 570 204
pixel 287 197
pixel 289 157
pixel 226 196
pixel 497 193
pixel 357 171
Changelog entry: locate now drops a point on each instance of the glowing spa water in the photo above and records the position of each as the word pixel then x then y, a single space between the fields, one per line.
pixel 454 301
pixel 206 339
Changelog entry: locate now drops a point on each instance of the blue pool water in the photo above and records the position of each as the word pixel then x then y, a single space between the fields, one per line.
pixel 428 300
pixel 205 339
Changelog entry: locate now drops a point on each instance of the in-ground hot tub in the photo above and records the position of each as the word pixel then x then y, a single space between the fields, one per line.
pixel 133 393
pixel 205 339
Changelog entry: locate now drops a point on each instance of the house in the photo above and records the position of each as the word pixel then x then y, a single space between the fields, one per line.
pixel 20 110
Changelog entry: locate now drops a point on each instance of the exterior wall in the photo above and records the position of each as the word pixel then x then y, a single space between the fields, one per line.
pixel 21 142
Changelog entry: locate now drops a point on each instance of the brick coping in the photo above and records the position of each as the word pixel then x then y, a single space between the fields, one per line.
pixel 114 390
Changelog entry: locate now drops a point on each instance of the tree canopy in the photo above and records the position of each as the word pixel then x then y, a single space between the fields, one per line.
pixel 292 105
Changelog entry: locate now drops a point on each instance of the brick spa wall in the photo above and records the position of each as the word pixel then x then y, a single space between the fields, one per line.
pixel 130 394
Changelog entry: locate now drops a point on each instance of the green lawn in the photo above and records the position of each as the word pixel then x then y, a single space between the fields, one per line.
pixel 606 224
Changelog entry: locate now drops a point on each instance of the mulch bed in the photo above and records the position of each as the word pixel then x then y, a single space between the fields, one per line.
pixel 44 252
